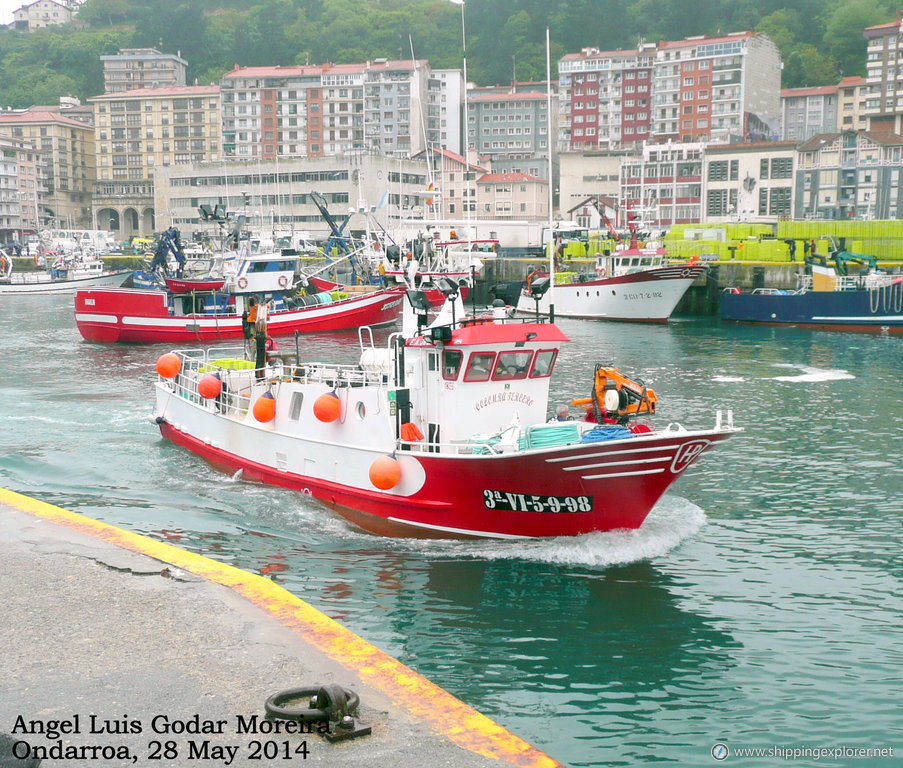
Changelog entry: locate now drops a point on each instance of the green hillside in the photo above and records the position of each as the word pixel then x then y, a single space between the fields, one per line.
pixel 820 40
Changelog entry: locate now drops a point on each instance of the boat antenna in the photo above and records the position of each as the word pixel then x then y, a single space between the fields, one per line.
pixel 549 144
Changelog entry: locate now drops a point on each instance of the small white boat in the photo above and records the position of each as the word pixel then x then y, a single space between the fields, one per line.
pixel 66 275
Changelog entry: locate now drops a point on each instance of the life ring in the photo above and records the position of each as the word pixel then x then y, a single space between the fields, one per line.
pixel 601 272
pixel 242 283
pixel 283 281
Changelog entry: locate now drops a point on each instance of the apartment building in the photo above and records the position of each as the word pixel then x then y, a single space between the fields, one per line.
pixel 313 111
pixel 19 189
pixel 806 112
pixel 511 129
pixel 717 89
pixel 852 94
pixel 134 68
pixel 445 102
pixel 852 174
pixel 136 133
pixel 748 182
pixel 512 196
pixel 663 184
pixel 454 184
pixel 66 162
pixel 605 98
pixel 884 75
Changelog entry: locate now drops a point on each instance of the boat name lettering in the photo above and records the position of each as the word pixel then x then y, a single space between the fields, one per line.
pixel 643 295
pixel 687 454
pixel 524 502
pixel 504 397
pixel 391 304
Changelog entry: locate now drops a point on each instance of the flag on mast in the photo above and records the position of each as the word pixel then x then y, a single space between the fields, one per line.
pixel 430 188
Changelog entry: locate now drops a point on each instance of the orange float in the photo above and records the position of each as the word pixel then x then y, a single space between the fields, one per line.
pixel 210 386
pixel 328 407
pixel 385 472
pixel 169 365
pixel 265 408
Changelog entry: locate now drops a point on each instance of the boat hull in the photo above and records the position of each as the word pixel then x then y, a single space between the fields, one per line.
pixel 649 296
pixel 43 283
pixel 565 491
pixel 143 317
pixel 875 310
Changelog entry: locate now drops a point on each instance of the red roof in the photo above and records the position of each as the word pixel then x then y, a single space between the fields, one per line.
pixel 176 90
pixel 820 90
pixel 41 117
pixel 852 80
pixel 322 69
pixel 703 40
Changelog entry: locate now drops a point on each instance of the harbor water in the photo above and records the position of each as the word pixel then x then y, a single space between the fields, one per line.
pixel 759 607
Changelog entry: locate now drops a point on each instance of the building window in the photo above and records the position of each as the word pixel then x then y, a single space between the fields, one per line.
pixel 716 203
pixel 718 170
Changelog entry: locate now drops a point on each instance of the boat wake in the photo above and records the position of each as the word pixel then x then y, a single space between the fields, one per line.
pixel 672 521
pixel 810 374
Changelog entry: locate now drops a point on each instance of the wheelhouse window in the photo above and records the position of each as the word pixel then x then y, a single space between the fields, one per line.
pixel 451 363
pixel 512 365
pixel 544 363
pixel 479 366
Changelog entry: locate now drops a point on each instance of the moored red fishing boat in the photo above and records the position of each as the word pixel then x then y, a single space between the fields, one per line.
pixel 187 313
pixel 442 433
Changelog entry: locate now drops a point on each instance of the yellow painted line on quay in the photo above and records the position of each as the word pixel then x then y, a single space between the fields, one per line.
pixel 426 701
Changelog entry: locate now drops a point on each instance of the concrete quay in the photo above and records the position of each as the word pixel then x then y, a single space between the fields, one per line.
pixel 122 650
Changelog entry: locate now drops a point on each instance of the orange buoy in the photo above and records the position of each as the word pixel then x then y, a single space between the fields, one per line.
pixel 265 407
pixel 210 386
pixel 169 365
pixel 385 472
pixel 328 407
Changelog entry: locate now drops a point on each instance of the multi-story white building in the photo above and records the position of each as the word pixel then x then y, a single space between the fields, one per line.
pixel 274 195
pixel 134 68
pixel 748 182
pixel 446 104
pixel 137 133
pixel 605 98
pixel 717 89
pixel 808 111
pixel 381 106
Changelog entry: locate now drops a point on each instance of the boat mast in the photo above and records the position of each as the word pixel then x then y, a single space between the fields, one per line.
pixel 549 145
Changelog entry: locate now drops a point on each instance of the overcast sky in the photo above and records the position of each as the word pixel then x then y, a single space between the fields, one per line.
pixel 7 7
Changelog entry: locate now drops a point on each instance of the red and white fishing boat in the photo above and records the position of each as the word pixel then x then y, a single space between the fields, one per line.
pixel 631 283
pixel 202 312
pixel 442 433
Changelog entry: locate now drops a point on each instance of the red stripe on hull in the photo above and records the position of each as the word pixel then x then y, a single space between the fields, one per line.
pixel 151 324
pixel 625 480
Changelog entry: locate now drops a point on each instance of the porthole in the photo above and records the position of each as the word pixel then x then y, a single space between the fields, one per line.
pixel 360 410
